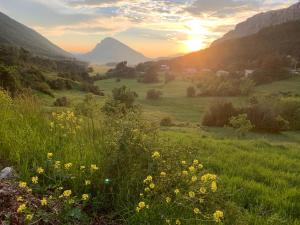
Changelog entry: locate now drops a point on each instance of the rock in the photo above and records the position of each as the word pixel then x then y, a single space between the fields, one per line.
pixel 7 173
pixel 263 20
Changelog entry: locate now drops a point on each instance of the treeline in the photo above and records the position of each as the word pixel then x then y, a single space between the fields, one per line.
pixel 269 114
pixel 20 69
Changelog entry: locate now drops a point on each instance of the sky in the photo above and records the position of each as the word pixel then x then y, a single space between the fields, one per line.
pixel 154 27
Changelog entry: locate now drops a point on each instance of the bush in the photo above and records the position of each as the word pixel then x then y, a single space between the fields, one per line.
pixel 241 124
pixel 121 103
pixel 219 114
pixel 153 94
pixel 191 92
pixel 62 102
pixel 166 122
pixel 87 87
pixel 42 87
pixel 290 110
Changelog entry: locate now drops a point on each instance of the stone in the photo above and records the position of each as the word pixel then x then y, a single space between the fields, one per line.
pixel 7 173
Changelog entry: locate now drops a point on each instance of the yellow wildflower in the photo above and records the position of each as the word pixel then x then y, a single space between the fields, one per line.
pixel 194 178
pixel 35 180
pixel 142 205
pixel 192 169
pixel 192 194
pixel 168 199
pixel 196 210
pixel 177 191
pixel 82 167
pixel 178 222
pixel 29 217
pixel 202 190
pixel 85 197
pixel 208 177
pixel 57 164
pixel 44 201
pixel 195 162
pixel 49 155
pixel 20 199
pixel 218 216
pixel 148 179
pixel 21 208
pixel 94 167
pixel 163 174
pixel 22 184
pixel 156 155
pixel 185 173
pixel 183 162
pixel 147 189
pixel 68 166
pixel 87 182
pixel 214 186
pixel 152 185
pixel 29 190
pixel 137 209
pixel 200 166
pixel 168 221
pixel 40 170
pixel 67 193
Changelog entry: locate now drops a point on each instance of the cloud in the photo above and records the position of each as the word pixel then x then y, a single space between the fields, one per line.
pixel 221 7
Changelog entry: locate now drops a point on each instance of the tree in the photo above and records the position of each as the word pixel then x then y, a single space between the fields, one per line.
pixel 191 92
pixel 151 76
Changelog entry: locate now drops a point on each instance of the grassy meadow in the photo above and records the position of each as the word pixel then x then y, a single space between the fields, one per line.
pixel 258 175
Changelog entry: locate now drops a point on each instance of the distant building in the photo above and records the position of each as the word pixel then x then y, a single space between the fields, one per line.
pixel 247 73
pixel 222 73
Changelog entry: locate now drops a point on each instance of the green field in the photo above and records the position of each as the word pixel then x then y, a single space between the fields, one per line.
pixel 260 173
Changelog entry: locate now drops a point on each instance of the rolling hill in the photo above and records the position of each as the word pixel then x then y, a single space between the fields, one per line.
pixel 16 34
pixel 111 50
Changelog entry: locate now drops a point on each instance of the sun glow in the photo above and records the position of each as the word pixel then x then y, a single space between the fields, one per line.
pixel 196 33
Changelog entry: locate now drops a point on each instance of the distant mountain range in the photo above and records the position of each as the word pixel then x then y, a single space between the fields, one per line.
pixel 256 23
pixel 111 50
pixel 16 34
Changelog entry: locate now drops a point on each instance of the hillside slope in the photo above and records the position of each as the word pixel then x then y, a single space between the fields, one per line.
pixel 263 20
pixel 283 39
pixel 111 50
pixel 16 34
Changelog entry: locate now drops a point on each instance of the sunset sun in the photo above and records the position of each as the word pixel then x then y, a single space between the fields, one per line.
pixel 196 34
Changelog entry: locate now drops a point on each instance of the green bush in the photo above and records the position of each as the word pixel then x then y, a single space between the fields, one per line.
pixel 166 122
pixel 153 94
pixel 241 124
pixel 62 102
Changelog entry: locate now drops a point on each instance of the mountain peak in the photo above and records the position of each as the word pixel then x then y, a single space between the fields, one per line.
pixel 112 50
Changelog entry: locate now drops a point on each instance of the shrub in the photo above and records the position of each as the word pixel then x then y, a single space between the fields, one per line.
pixel 241 124
pixel 219 114
pixel 42 87
pixel 121 102
pixel 191 91
pixel 87 87
pixel 166 122
pixel 290 110
pixel 178 193
pixel 62 102
pixel 153 94
pixel 151 75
